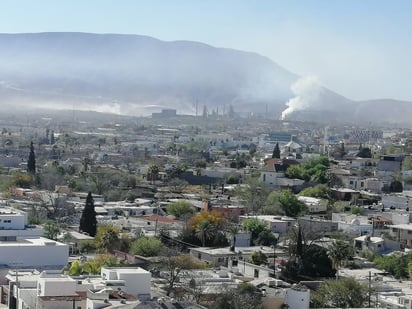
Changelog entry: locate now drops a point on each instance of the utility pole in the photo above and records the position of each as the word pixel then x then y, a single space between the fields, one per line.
pixel 369 290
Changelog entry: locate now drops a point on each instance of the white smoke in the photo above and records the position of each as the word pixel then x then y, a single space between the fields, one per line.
pixel 307 90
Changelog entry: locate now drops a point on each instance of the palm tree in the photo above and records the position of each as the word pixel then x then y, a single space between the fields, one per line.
pixel 339 251
pixel 152 172
pixel 110 240
pixel 232 230
pixel 204 231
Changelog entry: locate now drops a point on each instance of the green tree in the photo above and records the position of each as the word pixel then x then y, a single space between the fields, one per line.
pixel 266 238
pixel 75 268
pixel 341 293
pixel 319 191
pixel 272 204
pixel 205 231
pixel 276 152
pixel 153 172
pixel 396 186
pixel 107 238
pixel 339 251
pixel 51 230
pixel 258 258
pixel 312 170
pixel 396 265
pixel 146 246
pixel 20 180
pixel 255 227
pixel 407 163
pixel 180 208
pixel 365 152
pixel 88 221
pixel 290 204
pixel 31 163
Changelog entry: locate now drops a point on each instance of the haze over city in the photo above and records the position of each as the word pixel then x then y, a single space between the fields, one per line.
pixel 360 49
pixel 205 154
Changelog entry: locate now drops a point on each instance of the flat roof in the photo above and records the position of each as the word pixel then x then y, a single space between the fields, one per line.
pixel 27 242
pixel 402 226
pixel 127 270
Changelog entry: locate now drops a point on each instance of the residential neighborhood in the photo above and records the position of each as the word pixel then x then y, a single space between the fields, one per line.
pixel 165 212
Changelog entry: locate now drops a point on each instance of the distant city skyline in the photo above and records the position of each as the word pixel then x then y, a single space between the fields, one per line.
pixel 360 49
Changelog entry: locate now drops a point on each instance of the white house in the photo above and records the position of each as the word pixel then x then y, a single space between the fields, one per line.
pixel 14 224
pixel 132 280
pixel 35 253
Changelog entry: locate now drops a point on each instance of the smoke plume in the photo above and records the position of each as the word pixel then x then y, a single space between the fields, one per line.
pixel 307 91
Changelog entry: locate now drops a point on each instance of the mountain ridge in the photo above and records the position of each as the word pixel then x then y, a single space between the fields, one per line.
pixel 136 74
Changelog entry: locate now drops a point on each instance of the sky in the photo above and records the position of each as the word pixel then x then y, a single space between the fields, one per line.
pixel 359 48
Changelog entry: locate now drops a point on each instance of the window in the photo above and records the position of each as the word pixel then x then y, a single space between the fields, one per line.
pixel 351 182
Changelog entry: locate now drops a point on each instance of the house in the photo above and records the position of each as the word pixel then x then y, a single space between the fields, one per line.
pixel 132 280
pixel 221 256
pixel 277 224
pixel 14 224
pixel 274 170
pixel 115 287
pixel 34 252
pixel 388 165
pixel 318 226
pixel 353 224
pixel 313 204
pixel 402 233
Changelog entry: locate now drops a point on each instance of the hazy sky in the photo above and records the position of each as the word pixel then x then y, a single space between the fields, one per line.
pixel 359 48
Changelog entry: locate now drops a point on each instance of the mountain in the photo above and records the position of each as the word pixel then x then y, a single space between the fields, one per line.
pixel 130 73
pixel 135 75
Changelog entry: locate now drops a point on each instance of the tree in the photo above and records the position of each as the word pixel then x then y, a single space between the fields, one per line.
pixel 146 246
pixel 396 186
pixel 245 296
pixel 339 251
pixel 319 191
pixel 290 204
pixel 341 293
pixel 266 238
pixel 92 266
pixel 153 172
pixel 396 265
pixel 312 170
pixel 31 163
pixel 88 221
pixel 204 231
pixel 407 163
pixel 254 194
pixel 365 152
pixel 174 263
pixel 107 238
pixel 276 152
pixel 180 208
pixel 51 230
pixel 20 180
pixel 208 227
pixel 255 227
pixel 258 258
